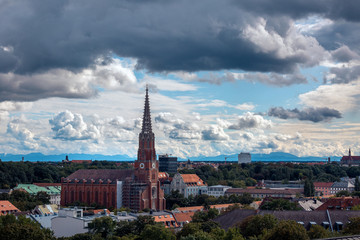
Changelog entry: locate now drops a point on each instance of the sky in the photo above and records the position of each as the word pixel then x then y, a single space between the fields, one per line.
pixel 224 76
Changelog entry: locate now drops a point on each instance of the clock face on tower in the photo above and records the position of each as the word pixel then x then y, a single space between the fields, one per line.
pixel 142 165
pixel 153 165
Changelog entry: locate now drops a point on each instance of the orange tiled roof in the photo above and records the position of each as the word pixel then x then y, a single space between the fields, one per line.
pixel 168 220
pixel 200 208
pixel 190 209
pixel 99 211
pixel 193 179
pixel 7 207
pixel 184 217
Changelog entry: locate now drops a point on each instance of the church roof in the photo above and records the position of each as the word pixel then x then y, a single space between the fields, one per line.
pixel 104 174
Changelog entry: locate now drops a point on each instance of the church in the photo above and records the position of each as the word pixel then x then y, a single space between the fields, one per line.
pixel 136 189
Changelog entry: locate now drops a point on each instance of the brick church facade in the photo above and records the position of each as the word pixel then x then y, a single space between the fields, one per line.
pixel 137 189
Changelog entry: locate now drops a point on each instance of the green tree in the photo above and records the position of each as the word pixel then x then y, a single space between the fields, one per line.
pixel 309 189
pixel 189 229
pixel 22 228
pixel 233 234
pixel 256 225
pixel 353 227
pixel 204 216
pixel 318 231
pixel 104 226
pixel 287 230
pixel 357 184
pixel 279 205
pixel 342 193
pixel 156 232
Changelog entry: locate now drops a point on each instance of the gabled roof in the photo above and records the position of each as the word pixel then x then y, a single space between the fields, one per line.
pixel 34 189
pixel 323 184
pixel 184 217
pixel 193 179
pixel 341 185
pixel 6 206
pixel 104 174
pixel 340 203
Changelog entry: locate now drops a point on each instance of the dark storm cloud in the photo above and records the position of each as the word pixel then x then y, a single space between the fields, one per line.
pixel 333 9
pixel 308 114
pixel 163 36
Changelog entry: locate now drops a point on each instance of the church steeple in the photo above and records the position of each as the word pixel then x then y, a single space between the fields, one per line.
pixel 146 125
pixel 146 153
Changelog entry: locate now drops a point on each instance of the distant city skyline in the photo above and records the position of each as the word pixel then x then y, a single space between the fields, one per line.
pixel 224 77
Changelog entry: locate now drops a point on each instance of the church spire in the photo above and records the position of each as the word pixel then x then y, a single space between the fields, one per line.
pixel 146 150
pixel 146 125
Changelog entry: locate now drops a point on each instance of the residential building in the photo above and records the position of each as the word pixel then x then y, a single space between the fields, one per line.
pixel 188 184
pixel 183 218
pixel 244 158
pixel 341 186
pixel 263 193
pixel 324 188
pixel 7 207
pixel 167 164
pixel 340 203
pixel 53 190
pixel 217 190
pixel 137 189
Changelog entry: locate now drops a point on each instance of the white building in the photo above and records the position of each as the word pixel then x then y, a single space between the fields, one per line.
pixel 188 184
pixel 244 158
pixel 217 190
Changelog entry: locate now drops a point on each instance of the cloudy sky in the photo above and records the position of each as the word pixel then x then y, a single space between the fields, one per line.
pixel 224 76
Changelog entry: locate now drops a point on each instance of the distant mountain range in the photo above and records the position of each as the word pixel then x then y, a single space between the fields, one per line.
pixel 272 157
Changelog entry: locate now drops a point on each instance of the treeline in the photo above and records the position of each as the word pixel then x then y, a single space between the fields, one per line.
pixel 176 199
pixel 241 175
pixel 13 173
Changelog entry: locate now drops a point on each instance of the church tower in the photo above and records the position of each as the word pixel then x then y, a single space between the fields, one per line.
pixel 146 166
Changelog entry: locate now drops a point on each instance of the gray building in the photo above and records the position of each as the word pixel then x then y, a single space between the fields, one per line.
pixel 167 164
pixel 244 158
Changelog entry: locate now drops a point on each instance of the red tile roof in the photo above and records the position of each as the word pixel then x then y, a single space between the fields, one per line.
pixel 7 207
pixel 340 203
pixel 168 220
pixel 193 179
pixel 323 184
pixel 104 174
pixel 99 211
pixel 184 217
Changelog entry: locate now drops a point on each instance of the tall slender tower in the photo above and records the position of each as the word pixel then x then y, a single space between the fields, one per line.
pixel 146 165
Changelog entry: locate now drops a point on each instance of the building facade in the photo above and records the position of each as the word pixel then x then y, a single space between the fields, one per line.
pixel 137 189
pixel 217 190
pixel 167 164
pixel 324 188
pixel 188 184
pixel 263 193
